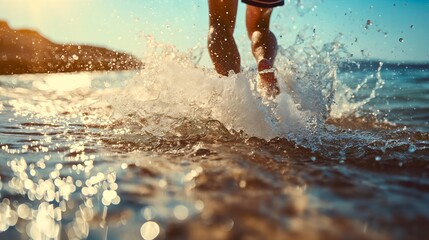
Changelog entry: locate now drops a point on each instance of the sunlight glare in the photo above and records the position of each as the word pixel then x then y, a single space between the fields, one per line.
pixel 64 82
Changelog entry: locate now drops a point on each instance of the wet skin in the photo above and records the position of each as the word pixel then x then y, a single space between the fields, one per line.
pixel 223 48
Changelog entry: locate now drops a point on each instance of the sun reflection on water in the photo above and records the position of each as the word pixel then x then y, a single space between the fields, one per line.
pixel 64 82
pixel 149 230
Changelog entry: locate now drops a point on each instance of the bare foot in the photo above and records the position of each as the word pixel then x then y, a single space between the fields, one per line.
pixel 268 80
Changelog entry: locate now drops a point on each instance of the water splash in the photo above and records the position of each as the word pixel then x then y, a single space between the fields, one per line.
pixel 346 101
pixel 173 88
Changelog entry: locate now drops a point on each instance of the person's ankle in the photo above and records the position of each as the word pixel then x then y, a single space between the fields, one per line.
pixel 268 81
pixel 264 64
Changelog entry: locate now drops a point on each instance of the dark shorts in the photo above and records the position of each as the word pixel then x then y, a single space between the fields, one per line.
pixel 265 3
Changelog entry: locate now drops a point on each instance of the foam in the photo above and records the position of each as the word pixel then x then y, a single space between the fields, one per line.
pixel 172 87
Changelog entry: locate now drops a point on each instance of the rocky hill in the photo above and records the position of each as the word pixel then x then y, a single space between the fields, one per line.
pixel 26 51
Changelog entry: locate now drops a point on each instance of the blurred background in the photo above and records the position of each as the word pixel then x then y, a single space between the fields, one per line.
pixel 383 30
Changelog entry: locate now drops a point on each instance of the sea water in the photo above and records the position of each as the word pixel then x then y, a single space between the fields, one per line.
pixel 174 151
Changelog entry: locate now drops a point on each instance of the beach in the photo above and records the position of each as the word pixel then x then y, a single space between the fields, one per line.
pixel 118 154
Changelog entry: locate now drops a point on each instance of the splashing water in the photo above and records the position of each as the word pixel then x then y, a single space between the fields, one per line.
pixel 172 89
pixel 176 150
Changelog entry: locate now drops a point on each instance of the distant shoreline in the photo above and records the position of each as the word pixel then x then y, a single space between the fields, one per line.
pixel 26 51
pixel 75 72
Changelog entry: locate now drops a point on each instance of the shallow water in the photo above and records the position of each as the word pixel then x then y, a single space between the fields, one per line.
pixel 175 152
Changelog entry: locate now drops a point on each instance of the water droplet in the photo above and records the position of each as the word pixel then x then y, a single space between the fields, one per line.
pixel 368 23
pixel 116 200
pixel 148 213
pixel 401 40
pixel 124 165
pixel 162 183
pixel 199 205
pixel 181 212
pixel 412 148
pixel 108 197
pixel 24 211
pixel 78 183
pixel 149 230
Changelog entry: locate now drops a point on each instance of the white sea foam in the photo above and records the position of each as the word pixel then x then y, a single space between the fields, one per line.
pixel 172 87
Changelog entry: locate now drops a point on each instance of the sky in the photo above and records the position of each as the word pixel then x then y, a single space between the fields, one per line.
pixel 398 29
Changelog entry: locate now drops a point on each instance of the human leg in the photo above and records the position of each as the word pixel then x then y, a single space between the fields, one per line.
pixel 263 44
pixel 263 41
pixel 221 44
